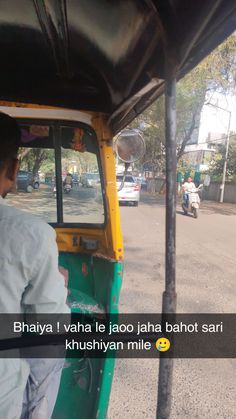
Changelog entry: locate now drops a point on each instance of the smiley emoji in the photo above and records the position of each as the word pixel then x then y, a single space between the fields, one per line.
pixel 162 344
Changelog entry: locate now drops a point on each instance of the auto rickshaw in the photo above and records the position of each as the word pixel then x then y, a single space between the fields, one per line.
pixel 74 74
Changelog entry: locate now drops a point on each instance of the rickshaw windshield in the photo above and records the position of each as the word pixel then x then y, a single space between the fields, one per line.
pixel 53 155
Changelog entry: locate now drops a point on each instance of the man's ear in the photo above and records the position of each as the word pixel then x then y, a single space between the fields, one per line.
pixel 12 169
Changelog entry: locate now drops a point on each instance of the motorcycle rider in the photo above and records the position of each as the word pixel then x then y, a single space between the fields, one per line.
pixel 68 180
pixel 187 188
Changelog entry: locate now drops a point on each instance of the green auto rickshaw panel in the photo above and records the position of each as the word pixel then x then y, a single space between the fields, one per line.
pixel 94 288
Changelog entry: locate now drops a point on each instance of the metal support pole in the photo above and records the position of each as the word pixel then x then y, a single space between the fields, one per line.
pixel 222 189
pixel 169 295
pixel 59 196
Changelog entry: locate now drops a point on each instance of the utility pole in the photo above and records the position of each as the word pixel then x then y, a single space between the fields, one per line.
pixel 222 186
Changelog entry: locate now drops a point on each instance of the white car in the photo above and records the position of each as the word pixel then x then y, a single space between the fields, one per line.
pixel 130 191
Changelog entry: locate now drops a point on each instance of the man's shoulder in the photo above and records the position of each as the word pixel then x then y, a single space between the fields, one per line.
pixel 26 221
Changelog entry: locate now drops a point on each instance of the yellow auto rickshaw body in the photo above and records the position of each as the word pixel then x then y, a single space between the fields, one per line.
pixel 94 275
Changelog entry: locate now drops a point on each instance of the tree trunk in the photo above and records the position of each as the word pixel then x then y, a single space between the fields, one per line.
pixel 187 138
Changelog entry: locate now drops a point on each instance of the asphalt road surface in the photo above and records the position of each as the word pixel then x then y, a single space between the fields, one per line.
pixel 206 266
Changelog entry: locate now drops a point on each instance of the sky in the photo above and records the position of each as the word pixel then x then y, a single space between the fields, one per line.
pixel 216 120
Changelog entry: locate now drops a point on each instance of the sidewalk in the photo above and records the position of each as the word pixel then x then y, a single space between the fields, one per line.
pixel 207 206
pixel 216 207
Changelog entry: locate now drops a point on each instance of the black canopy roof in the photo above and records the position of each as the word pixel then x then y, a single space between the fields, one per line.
pixel 109 56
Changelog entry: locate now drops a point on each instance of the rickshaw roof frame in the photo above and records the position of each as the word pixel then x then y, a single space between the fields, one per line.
pixel 47 115
pixel 69 54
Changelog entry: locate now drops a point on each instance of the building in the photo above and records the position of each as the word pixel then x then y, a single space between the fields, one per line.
pixel 215 138
pixel 199 155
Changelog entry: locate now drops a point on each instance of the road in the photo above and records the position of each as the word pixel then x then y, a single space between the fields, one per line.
pixel 205 283
pixel 79 206
pixel 203 388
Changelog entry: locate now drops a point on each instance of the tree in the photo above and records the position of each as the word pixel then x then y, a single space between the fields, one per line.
pixel 216 73
pixel 33 159
pixel 85 161
pixel 217 162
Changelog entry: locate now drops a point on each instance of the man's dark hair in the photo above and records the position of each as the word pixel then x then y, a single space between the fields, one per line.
pixel 9 137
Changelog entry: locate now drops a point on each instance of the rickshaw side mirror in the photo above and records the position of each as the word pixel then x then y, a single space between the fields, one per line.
pixel 129 146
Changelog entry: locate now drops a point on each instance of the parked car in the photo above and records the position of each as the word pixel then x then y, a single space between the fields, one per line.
pixel 130 191
pixel 27 181
pixel 89 180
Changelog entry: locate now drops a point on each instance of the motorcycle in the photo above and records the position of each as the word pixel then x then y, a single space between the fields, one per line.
pixel 67 188
pixel 193 202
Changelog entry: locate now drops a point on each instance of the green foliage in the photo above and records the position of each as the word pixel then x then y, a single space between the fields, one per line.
pixel 36 158
pixel 214 73
pixel 217 163
pixel 85 162
pixel 184 166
